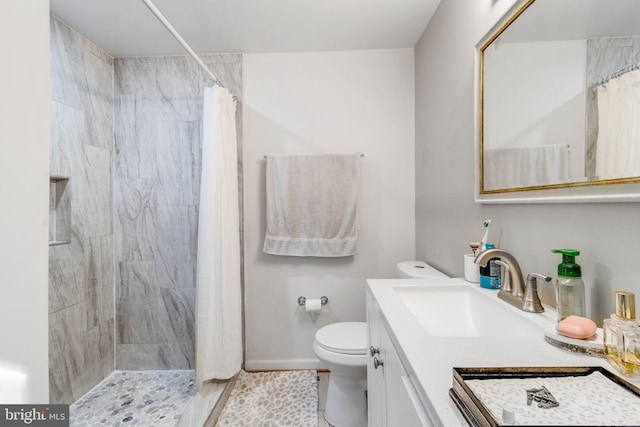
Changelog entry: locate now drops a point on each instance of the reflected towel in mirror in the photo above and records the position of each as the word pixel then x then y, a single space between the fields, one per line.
pixel 525 166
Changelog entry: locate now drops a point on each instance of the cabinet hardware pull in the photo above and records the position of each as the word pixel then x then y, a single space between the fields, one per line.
pixel 374 351
pixel 377 363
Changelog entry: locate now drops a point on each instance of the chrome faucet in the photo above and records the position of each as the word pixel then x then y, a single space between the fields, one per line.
pixel 512 289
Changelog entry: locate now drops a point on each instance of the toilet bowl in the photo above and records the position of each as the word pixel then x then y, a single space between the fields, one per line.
pixel 342 348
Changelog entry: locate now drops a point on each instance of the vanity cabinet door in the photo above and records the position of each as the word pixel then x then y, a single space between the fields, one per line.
pixel 375 376
pixel 391 397
pixel 403 406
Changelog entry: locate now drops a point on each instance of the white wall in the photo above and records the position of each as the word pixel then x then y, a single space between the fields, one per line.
pixel 321 103
pixel 24 194
pixel 447 217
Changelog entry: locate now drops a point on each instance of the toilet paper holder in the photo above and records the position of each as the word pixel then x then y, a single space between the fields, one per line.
pixel 303 300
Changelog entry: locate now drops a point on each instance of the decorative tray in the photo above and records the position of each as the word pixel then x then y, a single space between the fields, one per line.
pixel 578 380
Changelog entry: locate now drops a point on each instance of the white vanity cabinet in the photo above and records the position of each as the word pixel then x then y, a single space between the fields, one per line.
pixel 375 374
pixel 392 397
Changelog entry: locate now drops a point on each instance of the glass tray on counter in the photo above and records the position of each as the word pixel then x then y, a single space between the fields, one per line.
pixel 479 412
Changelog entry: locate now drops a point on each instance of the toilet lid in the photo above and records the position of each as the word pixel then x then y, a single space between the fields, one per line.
pixel 344 337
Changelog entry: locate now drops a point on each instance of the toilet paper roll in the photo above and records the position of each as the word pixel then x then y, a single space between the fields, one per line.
pixel 313 305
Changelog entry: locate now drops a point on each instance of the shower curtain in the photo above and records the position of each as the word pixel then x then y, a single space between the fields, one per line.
pixel 618 144
pixel 218 293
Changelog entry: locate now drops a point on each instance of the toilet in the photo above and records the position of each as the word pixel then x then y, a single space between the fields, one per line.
pixel 342 348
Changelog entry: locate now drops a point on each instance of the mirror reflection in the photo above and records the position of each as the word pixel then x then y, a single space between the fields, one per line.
pixel 560 97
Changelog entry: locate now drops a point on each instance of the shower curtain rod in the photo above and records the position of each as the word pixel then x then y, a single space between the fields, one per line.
pixel 180 40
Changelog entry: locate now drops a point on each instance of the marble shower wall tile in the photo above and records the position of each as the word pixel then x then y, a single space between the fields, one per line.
pixel 135 222
pixel 66 353
pixel 126 156
pixel 98 283
pixel 107 348
pixel 176 254
pixel 107 284
pixel 158 134
pixel 178 167
pixel 67 129
pixel 83 80
pixel 66 278
pixel 177 108
pixel 180 307
pixel 135 76
pixel 63 46
pixel 178 76
pixel 81 307
pixel 97 95
pixel 151 356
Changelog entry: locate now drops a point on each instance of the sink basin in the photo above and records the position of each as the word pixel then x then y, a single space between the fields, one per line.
pixel 463 311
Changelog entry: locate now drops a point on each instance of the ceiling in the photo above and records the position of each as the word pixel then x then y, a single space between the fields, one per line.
pixel 128 28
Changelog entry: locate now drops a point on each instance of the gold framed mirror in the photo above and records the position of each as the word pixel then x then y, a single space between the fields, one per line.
pixel 558 103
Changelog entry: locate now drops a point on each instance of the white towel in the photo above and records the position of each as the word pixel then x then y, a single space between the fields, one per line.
pixel 312 205
pixel 525 166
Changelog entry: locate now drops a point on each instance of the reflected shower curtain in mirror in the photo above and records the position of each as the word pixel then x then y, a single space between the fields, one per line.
pixel 218 293
pixel 618 143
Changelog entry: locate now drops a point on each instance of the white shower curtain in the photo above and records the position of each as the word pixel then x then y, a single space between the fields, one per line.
pixel 618 144
pixel 218 293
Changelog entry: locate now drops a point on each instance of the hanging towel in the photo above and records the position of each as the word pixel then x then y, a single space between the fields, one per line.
pixel 218 288
pixel 312 205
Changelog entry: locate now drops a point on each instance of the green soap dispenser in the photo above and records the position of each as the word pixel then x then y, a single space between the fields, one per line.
pixel 569 285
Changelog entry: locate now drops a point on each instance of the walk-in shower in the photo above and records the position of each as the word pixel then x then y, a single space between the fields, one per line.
pixel 126 137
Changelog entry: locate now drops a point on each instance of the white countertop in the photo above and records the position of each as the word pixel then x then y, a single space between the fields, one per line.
pixel 431 359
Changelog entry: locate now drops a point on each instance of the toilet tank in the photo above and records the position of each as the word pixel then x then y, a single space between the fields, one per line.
pixel 417 270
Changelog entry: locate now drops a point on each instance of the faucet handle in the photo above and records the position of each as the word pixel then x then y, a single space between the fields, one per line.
pixel 505 283
pixel 531 301
pixel 533 276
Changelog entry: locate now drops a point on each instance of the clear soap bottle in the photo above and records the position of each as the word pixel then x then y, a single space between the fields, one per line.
pixel 569 285
pixel 622 335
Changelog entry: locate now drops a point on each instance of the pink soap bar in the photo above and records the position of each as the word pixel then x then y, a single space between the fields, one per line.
pixel 577 327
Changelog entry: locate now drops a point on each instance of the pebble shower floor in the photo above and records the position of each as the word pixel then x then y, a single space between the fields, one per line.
pixel 135 398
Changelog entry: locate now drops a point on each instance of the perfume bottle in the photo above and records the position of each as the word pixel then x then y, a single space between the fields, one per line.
pixel 622 335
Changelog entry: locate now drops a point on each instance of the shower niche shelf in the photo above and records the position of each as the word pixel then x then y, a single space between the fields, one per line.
pixel 59 210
